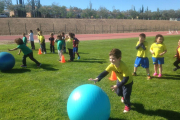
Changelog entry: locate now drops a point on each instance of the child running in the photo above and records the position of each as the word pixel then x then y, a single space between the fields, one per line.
pixel 141 58
pixel 24 39
pixel 31 39
pixel 51 39
pixel 27 52
pixel 158 49
pixel 60 45
pixel 178 57
pixel 75 46
pixel 124 83
pixel 69 43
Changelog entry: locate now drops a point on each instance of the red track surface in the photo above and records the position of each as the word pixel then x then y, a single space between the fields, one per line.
pixel 82 37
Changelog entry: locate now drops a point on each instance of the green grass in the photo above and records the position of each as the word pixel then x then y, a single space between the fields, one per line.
pixel 42 93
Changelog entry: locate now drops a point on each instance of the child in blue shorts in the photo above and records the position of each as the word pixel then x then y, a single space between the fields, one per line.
pixel 141 59
pixel 158 49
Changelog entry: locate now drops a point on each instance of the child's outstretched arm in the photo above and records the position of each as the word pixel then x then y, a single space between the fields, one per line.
pixel 15 49
pixel 102 75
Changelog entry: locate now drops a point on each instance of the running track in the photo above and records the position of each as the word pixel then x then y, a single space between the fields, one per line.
pixel 83 37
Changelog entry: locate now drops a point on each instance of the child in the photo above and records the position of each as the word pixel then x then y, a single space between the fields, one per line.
pixel 42 42
pixel 63 38
pixel 141 58
pixel 124 78
pixel 60 45
pixel 27 52
pixel 51 39
pixel 24 39
pixel 69 39
pixel 158 49
pixel 178 57
pixel 31 39
pixel 75 46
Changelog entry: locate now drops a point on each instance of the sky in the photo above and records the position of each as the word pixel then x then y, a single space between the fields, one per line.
pixel 122 5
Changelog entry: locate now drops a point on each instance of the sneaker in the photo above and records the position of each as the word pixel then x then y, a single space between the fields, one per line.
pixel 155 74
pixel 122 99
pixel 134 74
pixel 78 57
pixel 160 75
pixel 44 52
pixel 39 65
pixel 127 109
pixel 24 66
pixel 148 77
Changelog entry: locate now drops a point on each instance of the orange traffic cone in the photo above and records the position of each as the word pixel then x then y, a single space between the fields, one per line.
pixel 62 59
pixel 113 76
pixel 39 52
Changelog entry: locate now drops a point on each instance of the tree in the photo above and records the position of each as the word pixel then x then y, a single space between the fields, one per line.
pixel 2 4
pixel 55 9
pixel 45 10
pixel 103 12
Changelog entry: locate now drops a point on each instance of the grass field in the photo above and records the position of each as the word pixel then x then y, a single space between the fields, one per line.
pixel 41 93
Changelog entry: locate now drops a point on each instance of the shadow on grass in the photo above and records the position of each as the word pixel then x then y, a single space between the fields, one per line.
pixel 92 60
pixel 115 119
pixel 17 70
pixel 168 114
pixel 48 67
pixel 172 77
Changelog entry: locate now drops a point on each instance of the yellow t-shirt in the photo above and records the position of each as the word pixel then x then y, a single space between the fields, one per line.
pixel 157 49
pixel 41 38
pixel 142 53
pixel 121 71
pixel 69 43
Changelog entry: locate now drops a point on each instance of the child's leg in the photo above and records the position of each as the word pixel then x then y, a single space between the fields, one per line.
pixel 44 47
pixel 71 54
pixel 160 68
pixel 176 63
pixel 32 58
pixel 59 53
pixel 53 48
pixel 135 69
pixel 155 68
pixel 33 45
pixel 24 60
pixel 50 47
pixel 147 71
pixel 127 89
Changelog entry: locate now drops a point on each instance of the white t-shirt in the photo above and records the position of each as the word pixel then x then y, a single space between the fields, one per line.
pixel 31 38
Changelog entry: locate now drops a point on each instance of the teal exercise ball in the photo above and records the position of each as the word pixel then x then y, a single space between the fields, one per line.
pixel 7 61
pixel 88 102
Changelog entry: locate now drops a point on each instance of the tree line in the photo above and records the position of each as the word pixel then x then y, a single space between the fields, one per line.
pixel 57 11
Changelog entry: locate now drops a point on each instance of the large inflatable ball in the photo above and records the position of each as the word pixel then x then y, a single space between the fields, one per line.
pixel 88 102
pixel 7 61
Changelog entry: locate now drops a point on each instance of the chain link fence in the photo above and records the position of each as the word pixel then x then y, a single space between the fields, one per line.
pixel 19 28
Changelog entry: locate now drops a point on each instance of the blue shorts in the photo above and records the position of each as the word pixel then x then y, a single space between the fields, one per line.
pixel 158 60
pixel 144 62
pixel 75 49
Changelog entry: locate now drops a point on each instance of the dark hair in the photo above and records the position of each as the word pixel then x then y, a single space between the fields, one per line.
pixel 38 29
pixel 31 31
pixel 51 33
pixel 142 35
pixel 159 35
pixel 115 52
pixel 71 35
pixel 19 41
pixel 24 34
pixel 62 33
pixel 59 37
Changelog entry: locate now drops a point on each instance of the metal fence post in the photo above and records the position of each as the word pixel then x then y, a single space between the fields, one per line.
pixel 110 28
pixel 117 28
pixel 53 27
pixel 85 29
pixel 65 28
pixel 9 28
pixel 94 29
